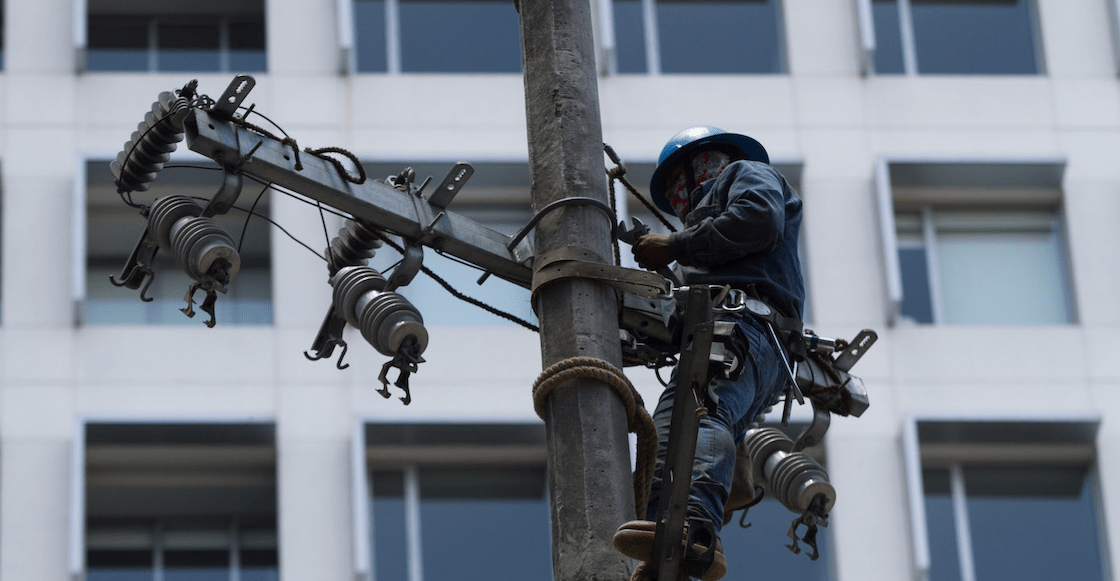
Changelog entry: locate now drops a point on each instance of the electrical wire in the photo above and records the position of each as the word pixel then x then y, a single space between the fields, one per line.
pixel 253 212
pixel 248 216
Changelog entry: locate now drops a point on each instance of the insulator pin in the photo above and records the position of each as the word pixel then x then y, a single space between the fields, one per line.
pixel 794 479
pixel 385 318
pixel 201 247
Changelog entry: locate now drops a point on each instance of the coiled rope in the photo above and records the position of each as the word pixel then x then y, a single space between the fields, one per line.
pixel 638 420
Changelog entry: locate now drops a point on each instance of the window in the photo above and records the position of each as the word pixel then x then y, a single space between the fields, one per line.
pixel 977 244
pixel 177 36
pixel 957 37
pixel 1005 500
pixel 437 36
pixel 444 499
pixel 178 502
pixel 678 36
pixel 1 222
pixel 113 229
pixel 497 196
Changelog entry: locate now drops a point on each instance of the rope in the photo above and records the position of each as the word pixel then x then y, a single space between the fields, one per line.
pixel 619 173
pixel 286 140
pixel 291 142
pixel 638 420
pixel 338 164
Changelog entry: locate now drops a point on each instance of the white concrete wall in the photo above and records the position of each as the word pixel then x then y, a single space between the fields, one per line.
pixel 824 114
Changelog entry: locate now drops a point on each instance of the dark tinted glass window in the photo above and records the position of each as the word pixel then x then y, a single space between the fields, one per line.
pixel 460 36
pixel 390 546
pixel 165 41
pixel 462 511
pixel 188 47
pixel 981 37
pixel 246 45
pixel 259 565
pixel 942 526
pixel 369 35
pixel 119 565
pixel 118 43
pixel 1028 522
pixel 888 37
pixel 629 36
pixel 720 37
pixel 1033 523
pixel 196 565
pixel 916 301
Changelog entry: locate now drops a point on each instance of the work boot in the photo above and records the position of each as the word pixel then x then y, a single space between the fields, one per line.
pixel 635 540
pixel 744 493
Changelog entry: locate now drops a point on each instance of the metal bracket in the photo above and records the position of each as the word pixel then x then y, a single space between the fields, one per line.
pixel 329 337
pixel 451 184
pixel 234 95
pixel 862 342
pixel 137 272
pixel 409 265
pixel 226 196
pixel 814 432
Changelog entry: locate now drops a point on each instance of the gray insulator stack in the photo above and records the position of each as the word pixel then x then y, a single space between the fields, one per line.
pixel 355 244
pixel 152 143
pixel 794 479
pixel 385 318
pixel 201 247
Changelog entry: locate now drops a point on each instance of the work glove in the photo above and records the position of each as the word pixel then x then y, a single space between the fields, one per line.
pixel 653 251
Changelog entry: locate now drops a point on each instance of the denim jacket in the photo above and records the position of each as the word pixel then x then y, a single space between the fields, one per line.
pixel 743 230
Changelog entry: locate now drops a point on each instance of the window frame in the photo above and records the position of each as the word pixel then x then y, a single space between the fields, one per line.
pixel 1114 28
pixel 80 39
pixel 868 44
pixel 651 35
pixel 77 495
pixel 1038 171
pixel 1070 440
pixel 79 218
pixel 394 58
pixel 409 457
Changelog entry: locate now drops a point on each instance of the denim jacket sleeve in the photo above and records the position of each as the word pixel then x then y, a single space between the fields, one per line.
pixel 741 213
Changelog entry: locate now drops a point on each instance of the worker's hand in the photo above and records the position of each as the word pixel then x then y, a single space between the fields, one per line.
pixel 653 251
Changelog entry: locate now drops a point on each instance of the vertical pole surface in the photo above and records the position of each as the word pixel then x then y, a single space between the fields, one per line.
pixel 588 450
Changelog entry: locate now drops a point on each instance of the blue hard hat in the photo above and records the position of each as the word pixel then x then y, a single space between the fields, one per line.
pixel 690 140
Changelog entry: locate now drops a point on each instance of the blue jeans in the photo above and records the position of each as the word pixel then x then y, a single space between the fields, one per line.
pixel 759 385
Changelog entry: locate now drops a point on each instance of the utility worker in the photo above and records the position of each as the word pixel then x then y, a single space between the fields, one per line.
pixel 741 225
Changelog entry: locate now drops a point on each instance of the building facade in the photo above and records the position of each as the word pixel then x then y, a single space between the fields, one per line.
pixel 958 166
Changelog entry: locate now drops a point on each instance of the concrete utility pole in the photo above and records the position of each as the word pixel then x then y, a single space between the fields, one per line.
pixel 588 450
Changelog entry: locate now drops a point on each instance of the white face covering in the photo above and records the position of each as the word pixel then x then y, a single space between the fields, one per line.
pixel 706 165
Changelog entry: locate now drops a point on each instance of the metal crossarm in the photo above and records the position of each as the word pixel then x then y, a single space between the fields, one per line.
pixel 410 216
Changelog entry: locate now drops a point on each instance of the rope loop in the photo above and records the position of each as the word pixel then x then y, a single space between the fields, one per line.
pixel 638 420
pixel 361 177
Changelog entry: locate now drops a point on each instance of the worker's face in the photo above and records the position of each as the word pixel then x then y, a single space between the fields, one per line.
pixel 705 165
